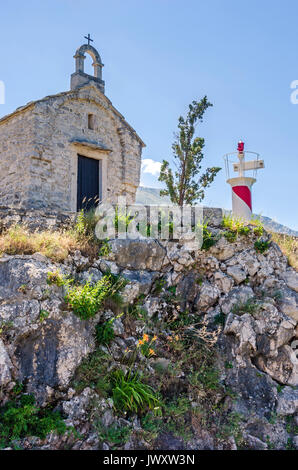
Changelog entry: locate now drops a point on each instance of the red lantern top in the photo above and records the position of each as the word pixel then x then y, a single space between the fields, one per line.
pixel 240 146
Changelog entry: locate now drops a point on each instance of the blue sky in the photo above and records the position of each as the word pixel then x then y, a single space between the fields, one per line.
pixel 159 55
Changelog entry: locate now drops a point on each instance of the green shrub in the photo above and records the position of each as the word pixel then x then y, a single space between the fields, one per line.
pixel 261 246
pixel 43 315
pixel 55 278
pixel 86 300
pixel 21 418
pixel 244 231
pixel 86 223
pixel 105 248
pixel 159 286
pixel 131 394
pixel 113 434
pixel 233 223
pixel 93 372
pixel 230 236
pixel 250 306
pixel 105 332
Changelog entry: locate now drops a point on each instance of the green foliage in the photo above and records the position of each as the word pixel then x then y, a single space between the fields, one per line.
pixel 55 278
pixel 244 231
pixel 105 332
pixel 131 394
pixel 159 285
pixel 232 223
pixel 5 326
pixel 261 246
pixel 206 377
pixel 235 225
pixel 208 239
pixel 259 228
pixel 86 223
pixel 176 412
pixel 93 372
pixel 122 220
pixel 86 300
pixel 21 418
pixel 114 434
pixel 220 319
pixel 136 310
pixel 152 426
pixel 232 427
pixel 43 315
pixel 250 306
pixel 105 248
pixel 228 365
pixel 230 236
pixel 183 186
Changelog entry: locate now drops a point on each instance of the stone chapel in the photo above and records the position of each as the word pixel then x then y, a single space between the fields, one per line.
pixel 68 151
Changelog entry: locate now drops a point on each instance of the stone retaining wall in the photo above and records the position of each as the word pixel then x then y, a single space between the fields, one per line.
pixel 41 220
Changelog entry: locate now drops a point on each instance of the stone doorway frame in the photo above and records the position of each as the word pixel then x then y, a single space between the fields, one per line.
pixel 87 150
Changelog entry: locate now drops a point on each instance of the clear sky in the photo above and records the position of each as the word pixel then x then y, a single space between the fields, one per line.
pixel 159 55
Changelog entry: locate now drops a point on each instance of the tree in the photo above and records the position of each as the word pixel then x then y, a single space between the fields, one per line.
pixel 183 186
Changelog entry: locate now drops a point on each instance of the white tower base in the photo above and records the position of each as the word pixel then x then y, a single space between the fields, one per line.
pixel 241 196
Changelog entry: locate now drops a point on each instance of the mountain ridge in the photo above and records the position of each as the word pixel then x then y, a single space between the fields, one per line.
pixel 147 195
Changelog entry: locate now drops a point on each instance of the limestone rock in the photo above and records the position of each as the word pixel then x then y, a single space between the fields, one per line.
pixel 243 328
pixel 287 401
pixel 235 296
pixel 237 273
pixel 223 282
pixel 289 303
pixel 283 367
pixel 291 279
pixel 5 365
pixel 207 297
pixel 138 254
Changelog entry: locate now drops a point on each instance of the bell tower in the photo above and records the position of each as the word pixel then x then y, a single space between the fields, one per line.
pixel 79 78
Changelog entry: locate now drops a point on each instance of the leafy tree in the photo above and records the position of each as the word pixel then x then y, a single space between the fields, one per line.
pixel 183 186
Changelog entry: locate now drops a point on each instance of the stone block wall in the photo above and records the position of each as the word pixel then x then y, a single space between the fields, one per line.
pixel 38 158
pixel 16 151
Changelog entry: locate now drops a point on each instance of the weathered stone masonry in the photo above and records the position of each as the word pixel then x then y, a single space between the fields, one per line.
pixel 40 143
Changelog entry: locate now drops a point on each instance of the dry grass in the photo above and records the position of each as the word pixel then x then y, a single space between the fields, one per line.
pixel 56 245
pixel 289 247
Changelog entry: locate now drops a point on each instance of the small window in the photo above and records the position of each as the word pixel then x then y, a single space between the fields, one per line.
pixel 91 121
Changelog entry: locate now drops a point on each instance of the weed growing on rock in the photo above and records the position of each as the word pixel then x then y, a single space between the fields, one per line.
pixel 86 300
pixel 208 239
pixel 230 236
pixel 261 246
pixel 115 435
pixel 21 418
pixel 250 306
pixel 93 372
pixel 105 248
pixel 131 394
pixel 55 278
pixel 43 315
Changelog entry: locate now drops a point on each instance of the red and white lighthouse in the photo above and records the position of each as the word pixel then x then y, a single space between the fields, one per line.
pixel 241 184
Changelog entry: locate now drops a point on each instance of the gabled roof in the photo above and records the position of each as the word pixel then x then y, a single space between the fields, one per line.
pixel 31 104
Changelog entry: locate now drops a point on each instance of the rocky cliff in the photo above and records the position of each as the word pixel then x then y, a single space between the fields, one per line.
pixel 205 338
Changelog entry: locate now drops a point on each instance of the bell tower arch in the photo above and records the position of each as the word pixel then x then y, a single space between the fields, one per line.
pixel 79 78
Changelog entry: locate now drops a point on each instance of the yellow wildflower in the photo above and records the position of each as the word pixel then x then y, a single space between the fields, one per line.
pixel 154 338
pixel 151 352
pixel 145 338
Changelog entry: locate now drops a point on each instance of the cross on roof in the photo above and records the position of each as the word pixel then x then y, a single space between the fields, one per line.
pixel 88 38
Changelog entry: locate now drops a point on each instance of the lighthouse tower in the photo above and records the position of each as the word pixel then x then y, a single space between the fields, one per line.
pixel 241 184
